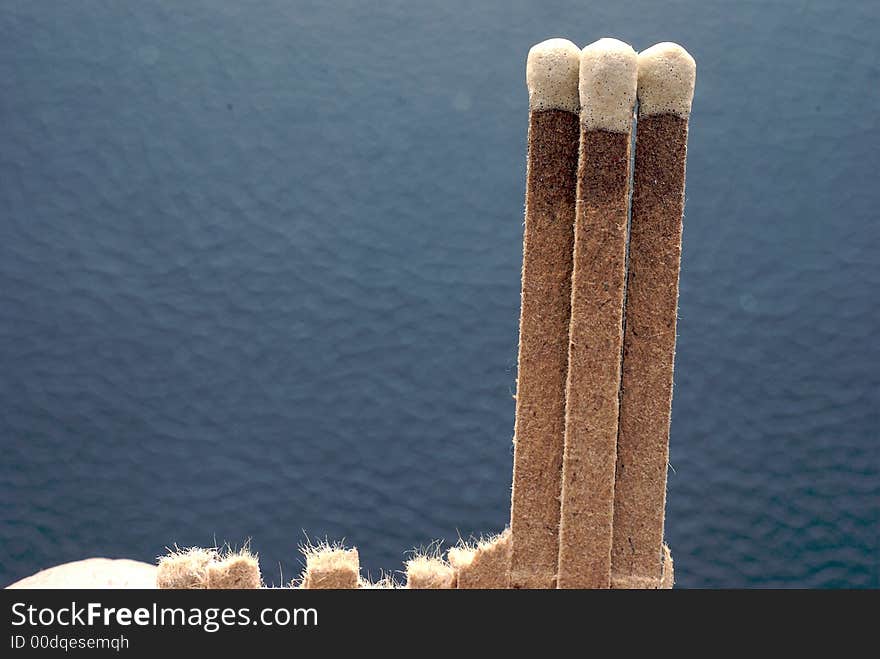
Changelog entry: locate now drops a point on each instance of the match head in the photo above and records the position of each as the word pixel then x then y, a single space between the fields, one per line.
pixel 667 74
pixel 609 72
pixel 552 75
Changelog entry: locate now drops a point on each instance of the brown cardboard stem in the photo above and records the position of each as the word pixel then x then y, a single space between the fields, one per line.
pixel 596 337
pixel 649 346
pixel 543 346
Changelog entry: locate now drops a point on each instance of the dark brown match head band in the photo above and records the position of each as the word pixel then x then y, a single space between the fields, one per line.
pixel 552 75
pixel 667 74
pixel 608 78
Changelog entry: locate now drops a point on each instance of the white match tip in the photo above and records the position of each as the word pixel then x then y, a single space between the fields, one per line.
pixel 552 75
pixel 667 74
pixel 608 76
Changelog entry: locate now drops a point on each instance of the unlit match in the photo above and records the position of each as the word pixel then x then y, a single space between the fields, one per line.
pixel 665 90
pixel 552 78
pixel 608 77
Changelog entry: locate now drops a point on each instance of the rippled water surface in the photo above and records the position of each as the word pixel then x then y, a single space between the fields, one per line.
pixel 259 275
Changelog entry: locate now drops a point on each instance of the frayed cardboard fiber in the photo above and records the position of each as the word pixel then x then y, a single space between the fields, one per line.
pixel 484 565
pixel 385 582
pixel 234 571
pixel 331 567
pixel 428 572
pixel 197 568
pixel 667 574
pixel 185 569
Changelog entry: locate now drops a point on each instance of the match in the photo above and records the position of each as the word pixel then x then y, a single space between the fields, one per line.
pixel 666 76
pixel 552 78
pixel 608 77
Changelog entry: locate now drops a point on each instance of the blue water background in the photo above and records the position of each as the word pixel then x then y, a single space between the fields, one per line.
pixel 260 269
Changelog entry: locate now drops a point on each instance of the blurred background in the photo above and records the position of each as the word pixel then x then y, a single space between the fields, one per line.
pixel 260 270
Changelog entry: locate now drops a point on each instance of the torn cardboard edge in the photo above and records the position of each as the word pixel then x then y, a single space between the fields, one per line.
pixel 485 564
pixel 481 564
pixel 330 566
pixel 196 568
pixel 429 572
pixel 384 582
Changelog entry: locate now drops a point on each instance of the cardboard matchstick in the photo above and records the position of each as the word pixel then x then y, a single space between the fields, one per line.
pixel 608 76
pixel 666 86
pixel 552 77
